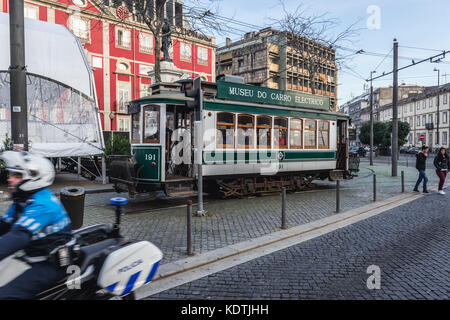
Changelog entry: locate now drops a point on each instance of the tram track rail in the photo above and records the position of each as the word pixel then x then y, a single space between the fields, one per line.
pixel 136 206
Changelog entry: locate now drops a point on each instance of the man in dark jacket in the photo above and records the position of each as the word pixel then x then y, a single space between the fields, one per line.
pixel 421 159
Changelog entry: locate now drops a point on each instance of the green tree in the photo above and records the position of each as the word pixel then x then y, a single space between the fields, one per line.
pixel 117 145
pixel 379 131
pixel 382 133
pixel 403 131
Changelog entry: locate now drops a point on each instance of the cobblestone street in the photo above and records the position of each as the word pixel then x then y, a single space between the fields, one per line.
pixel 235 220
pixel 409 244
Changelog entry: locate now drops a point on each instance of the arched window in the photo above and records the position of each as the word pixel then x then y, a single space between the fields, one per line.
pixel 245 131
pixel 324 134
pixel 281 132
pixel 264 131
pixel 296 134
pixel 310 134
pixel 225 130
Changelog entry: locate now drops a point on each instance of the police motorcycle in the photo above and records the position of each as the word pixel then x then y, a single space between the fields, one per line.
pixel 103 265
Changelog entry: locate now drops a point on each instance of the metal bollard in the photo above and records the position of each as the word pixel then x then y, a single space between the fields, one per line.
pixel 374 187
pixel 283 208
pixel 189 228
pixel 403 181
pixel 338 200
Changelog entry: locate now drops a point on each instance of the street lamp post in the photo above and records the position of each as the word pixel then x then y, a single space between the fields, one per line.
pixel 371 118
pixel 437 115
pixel 111 117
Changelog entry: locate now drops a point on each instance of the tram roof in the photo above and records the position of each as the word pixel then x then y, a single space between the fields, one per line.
pixel 211 101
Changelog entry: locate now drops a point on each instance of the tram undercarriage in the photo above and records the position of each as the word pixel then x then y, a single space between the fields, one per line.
pixel 123 174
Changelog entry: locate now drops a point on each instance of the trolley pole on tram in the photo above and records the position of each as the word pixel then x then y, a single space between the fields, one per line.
pixel 197 105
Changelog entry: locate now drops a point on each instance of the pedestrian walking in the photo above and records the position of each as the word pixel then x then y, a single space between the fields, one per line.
pixel 441 162
pixel 421 159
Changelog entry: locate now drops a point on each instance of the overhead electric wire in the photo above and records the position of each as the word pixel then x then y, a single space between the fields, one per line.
pixel 254 26
pixel 363 52
pixel 353 75
pixel 225 19
pixel 376 68
pixel 426 49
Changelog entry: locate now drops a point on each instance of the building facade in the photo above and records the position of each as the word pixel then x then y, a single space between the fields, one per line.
pixel 427 114
pixel 354 109
pixel 120 49
pixel 266 58
pixel 382 98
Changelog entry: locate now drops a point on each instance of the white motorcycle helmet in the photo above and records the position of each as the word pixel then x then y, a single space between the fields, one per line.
pixel 37 172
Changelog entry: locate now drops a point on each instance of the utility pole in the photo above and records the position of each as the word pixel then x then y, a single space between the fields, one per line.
pixel 197 106
pixel 437 115
pixel 371 118
pixel 395 71
pixel 18 74
pixel 395 112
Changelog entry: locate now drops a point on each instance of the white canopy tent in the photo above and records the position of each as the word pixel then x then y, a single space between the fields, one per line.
pixel 63 119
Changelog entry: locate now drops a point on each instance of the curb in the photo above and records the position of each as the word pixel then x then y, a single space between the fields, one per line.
pixel 181 271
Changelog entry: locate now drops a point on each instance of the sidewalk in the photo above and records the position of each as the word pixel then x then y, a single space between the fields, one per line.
pixel 65 179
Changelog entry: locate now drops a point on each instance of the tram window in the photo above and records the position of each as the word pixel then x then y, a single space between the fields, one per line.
pixel 151 124
pixel 135 128
pixel 324 134
pixel 296 134
pixel 245 131
pixel 225 130
pixel 264 131
pixel 281 129
pixel 310 134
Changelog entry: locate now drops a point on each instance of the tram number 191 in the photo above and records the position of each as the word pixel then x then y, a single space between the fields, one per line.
pixel 150 157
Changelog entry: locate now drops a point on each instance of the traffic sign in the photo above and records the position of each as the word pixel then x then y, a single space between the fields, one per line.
pixel 422 137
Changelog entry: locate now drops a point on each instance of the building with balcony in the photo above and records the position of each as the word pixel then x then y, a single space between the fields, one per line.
pixel 120 48
pixel 266 58
pixel 427 114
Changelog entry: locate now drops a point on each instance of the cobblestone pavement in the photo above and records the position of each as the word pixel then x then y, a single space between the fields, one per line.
pixel 410 245
pixel 236 220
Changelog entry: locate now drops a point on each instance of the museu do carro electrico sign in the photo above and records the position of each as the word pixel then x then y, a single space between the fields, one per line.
pixel 248 93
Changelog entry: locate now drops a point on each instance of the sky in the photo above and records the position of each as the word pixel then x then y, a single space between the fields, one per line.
pixel 420 27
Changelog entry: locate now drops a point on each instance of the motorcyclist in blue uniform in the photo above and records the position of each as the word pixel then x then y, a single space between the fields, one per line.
pixel 34 226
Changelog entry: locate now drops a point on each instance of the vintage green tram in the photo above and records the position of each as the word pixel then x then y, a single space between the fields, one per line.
pixel 254 140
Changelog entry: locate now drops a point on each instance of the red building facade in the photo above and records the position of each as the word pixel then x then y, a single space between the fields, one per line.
pixel 120 50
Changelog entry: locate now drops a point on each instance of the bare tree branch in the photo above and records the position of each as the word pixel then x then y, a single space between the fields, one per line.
pixel 308 35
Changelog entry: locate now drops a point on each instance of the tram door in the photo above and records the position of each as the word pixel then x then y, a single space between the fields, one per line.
pixel 179 122
pixel 342 145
